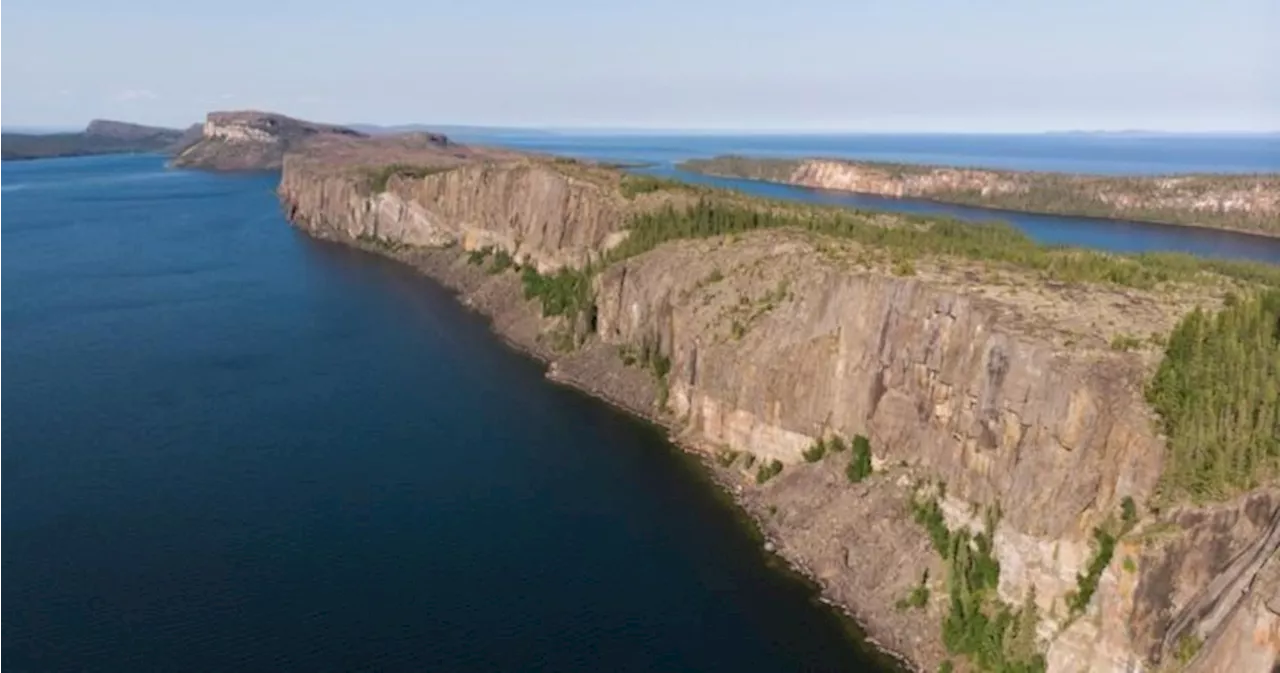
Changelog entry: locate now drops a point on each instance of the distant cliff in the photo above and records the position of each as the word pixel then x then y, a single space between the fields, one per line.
pixel 250 140
pixel 100 137
pixel 1249 203
pixel 942 424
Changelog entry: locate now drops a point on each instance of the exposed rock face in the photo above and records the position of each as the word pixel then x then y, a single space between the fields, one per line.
pixel 1245 202
pixel 776 338
pixel 527 208
pixel 252 140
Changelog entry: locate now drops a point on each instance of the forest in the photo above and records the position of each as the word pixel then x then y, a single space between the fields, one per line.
pixel 1218 395
pixel 918 237
pixel 1178 199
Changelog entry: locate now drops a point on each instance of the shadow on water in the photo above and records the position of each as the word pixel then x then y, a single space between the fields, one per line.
pixel 653 464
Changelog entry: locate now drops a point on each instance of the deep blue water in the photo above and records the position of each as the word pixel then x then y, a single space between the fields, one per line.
pixel 1071 153
pixel 1115 155
pixel 231 447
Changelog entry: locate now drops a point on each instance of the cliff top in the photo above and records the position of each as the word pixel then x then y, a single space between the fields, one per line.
pixel 108 128
pixel 1248 203
pixel 277 124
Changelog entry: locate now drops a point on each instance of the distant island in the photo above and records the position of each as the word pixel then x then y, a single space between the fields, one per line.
pixel 101 136
pixel 1247 203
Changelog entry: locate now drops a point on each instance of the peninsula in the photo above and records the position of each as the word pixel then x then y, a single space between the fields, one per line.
pixel 1248 203
pixel 101 136
pixel 997 456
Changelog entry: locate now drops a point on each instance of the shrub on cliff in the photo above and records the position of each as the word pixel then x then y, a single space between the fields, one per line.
pixel 859 467
pixel 501 262
pixel 377 179
pixel 768 471
pixel 815 452
pixel 566 292
pixel 1218 395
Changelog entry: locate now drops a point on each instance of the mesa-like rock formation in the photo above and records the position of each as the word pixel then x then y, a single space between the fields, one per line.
pixel 1249 203
pixel 1005 392
pixel 251 140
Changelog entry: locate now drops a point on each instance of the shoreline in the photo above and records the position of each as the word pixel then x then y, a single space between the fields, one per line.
pixel 479 292
pixel 1271 237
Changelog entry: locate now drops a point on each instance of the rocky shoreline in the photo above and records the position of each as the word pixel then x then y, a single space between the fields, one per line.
pixel 596 369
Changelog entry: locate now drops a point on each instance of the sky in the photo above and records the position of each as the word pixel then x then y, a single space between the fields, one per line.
pixel 797 65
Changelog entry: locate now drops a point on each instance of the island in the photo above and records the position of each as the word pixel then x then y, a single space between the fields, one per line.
pixel 996 456
pixel 101 136
pixel 1247 203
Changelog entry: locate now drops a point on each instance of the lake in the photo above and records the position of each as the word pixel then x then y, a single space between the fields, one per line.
pixel 1084 153
pixel 233 447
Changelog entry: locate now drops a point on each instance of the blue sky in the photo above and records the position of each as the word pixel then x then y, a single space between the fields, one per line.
pixel 812 65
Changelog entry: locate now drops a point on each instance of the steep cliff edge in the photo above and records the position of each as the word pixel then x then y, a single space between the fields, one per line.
pixel 1249 203
pixel 960 365
pixel 250 140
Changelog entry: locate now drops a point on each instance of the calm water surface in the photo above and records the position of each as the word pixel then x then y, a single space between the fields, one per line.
pixel 1107 155
pixel 230 447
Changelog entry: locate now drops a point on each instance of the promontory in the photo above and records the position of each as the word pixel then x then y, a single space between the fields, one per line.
pixel 1249 203
pixel 997 456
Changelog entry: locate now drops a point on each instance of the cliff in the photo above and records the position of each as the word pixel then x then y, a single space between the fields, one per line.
pixel 250 140
pixel 1249 203
pixel 992 381
pixel 99 137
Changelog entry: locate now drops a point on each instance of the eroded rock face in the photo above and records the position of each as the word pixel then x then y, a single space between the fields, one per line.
pixel 537 214
pixel 251 140
pixel 774 340
pixel 1241 202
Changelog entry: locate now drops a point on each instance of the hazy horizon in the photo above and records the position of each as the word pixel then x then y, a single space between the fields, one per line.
pixel 640 131
pixel 810 66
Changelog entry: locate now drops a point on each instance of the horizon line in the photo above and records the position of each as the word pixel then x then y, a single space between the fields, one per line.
pixel 694 130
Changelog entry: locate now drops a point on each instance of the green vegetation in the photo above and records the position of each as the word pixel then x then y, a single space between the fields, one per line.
pixel 768 471
pixel 633 184
pixel 379 242
pixel 929 515
pixel 376 179
pixel 919 596
pixel 476 257
pixel 1124 342
pixel 859 467
pixel 836 444
pixel 748 461
pixel 815 452
pixel 918 237
pixel 1141 198
pixel 1187 648
pixel 501 262
pixel 978 625
pixel 1128 513
pixel 946 666
pixel 1129 565
pixel 1104 547
pixel 1218 395
pixel 567 292
pixel 725 456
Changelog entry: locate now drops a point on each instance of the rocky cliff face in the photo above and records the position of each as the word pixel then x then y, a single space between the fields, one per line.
pixel 777 338
pixel 1246 202
pixel 536 213
pixel 253 140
